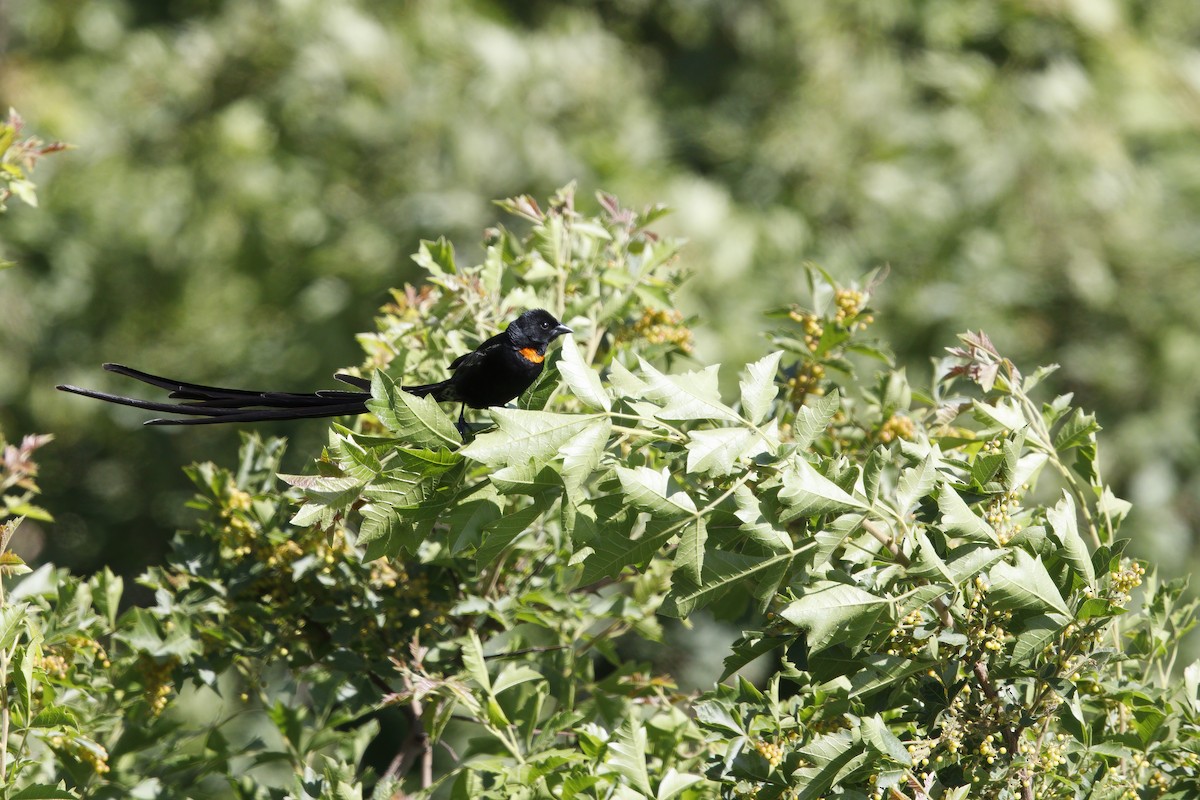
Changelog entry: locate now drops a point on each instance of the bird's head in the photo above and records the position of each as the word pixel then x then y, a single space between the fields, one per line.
pixel 536 327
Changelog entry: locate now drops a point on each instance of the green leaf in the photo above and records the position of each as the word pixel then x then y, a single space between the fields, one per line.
pixel 1065 525
pixel 811 421
pixel 416 420
pixel 716 451
pixel 143 634
pixel 876 733
pixel 689 556
pixel 1038 634
pixel 500 534
pixel 916 482
pixel 1078 429
pixel 581 378
pixel 627 755
pixel 831 754
pixel 969 560
pixel 673 783
pixel 525 438
pixel 581 455
pixel 1025 585
pixel 808 493
pixel 613 551
pixel 474 663
pixel 759 388
pixel 723 571
pixel 1006 414
pixel 12 623
pixel 834 613
pixel 44 791
pixel 692 395
pixel 54 717
pixel 959 520
pixel 514 675
pixel 437 257
pixel 649 491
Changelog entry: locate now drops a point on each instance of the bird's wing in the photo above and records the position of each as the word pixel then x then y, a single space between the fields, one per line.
pixel 480 353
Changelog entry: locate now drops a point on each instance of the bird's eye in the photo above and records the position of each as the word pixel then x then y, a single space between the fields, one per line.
pixel 545 324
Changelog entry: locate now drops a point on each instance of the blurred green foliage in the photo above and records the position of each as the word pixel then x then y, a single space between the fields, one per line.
pixel 250 178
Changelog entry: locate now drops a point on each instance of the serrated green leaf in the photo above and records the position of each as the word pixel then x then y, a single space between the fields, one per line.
pixel 958 519
pixel 714 714
pixel 1025 585
pixel 811 421
pixel 44 791
pixel 649 490
pixel 880 738
pixel 1078 429
pixel 807 492
pixel 627 755
pixel 755 523
pixel 689 396
pixel 1006 414
pixel 581 378
pixel 526 438
pixel 916 482
pixel 758 387
pixel 416 420
pixel 971 559
pixel 324 497
pixel 582 453
pixel 673 783
pixel 500 534
pixel 1065 525
pixel 832 754
pixel 514 675
pixel 143 634
pixel 436 257
pixel 613 550
pixel 724 571
pixel 716 451
pixel 474 663
pixel 54 717
pixel 1038 634
pixel 13 618
pixel 834 613
pixel 689 556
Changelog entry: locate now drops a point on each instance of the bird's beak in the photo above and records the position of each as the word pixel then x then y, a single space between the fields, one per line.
pixel 560 329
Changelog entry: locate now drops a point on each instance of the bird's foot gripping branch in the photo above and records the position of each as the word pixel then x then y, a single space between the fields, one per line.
pixel 930 595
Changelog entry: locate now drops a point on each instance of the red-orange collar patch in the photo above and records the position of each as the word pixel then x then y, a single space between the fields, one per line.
pixel 532 355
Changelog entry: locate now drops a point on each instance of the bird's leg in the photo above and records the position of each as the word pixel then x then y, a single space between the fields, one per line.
pixel 462 426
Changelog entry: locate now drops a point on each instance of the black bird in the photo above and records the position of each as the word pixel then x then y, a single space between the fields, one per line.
pixel 492 374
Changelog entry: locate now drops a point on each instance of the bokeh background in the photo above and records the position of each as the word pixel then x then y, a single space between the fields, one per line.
pixel 249 178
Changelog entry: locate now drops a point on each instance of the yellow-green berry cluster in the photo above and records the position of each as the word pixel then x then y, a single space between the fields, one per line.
pixel 985 626
pixel 157 674
pixel 999 513
pixel 989 749
pixel 83 749
pixel 772 752
pixel 811 323
pixel 54 665
pixel 1050 756
pixel 1124 581
pixel 897 427
pixel 901 641
pixel 850 304
pixel 659 326
pixel 805 381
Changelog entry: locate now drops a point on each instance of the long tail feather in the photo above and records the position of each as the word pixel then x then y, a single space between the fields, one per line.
pixel 215 404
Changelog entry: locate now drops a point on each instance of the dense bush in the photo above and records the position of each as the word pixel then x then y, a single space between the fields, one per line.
pixel 932 578
pixel 251 177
